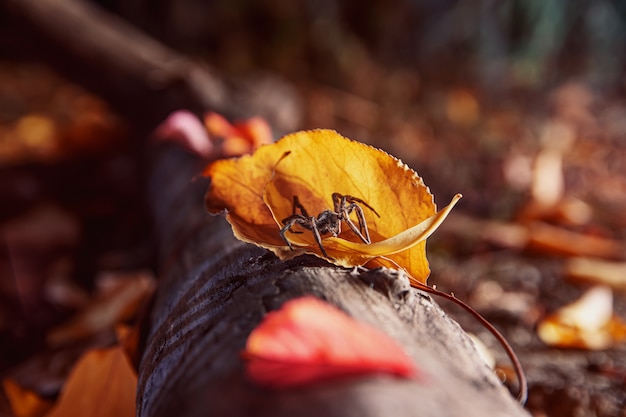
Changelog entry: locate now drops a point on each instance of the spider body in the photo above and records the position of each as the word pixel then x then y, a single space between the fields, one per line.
pixel 329 221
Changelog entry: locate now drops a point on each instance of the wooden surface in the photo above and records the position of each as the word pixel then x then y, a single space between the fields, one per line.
pixel 214 290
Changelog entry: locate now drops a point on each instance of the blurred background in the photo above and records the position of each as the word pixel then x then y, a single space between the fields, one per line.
pixel 518 105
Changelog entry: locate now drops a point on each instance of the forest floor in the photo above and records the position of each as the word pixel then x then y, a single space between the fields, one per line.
pixel 541 222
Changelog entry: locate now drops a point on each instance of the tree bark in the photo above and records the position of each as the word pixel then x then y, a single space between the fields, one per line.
pixel 214 290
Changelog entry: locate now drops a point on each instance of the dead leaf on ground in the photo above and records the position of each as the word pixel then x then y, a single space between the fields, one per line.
pixel 462 108
pixel 214 136
pixel 557 240
pixel 547 187
pixel 587 323
pixel 535 236
pixel 597 271
pixel 257 192
pixel 186 129
pixel 24 403
pixel 238 138
pixel 125 295
pixel 102 384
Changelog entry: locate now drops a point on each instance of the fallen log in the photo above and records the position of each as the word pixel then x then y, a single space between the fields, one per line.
pixel 214 290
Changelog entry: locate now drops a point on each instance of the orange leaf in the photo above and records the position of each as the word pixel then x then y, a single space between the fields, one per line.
pixel 257 192
pixel 24 403
pixel 217 125
pixel 587 323
pixel 216 137
pixel 308 341
pixel 102 384
pixel 239 138
pixel 256 130
pixel 557 240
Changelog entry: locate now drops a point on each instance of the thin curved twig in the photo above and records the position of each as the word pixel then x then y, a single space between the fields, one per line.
pixel 522 395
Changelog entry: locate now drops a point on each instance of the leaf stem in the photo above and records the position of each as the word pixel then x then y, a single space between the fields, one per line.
pixel 522 395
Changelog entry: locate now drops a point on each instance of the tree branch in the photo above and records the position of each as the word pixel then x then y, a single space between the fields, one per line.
pixel 142 78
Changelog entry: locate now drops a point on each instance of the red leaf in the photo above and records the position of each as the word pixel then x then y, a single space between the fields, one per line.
pixel 308 341
pixel 184 128
pixel 216 137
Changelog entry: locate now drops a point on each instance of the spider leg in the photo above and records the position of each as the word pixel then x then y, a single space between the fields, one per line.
pixel 353 200
pixel 362 223
pixel 339 201
pixel 344 210
pixel 288 223
pixel 298 205
pixel 318 237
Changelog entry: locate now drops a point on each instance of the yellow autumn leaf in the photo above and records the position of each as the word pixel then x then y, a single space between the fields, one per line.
pixel 398 243
pixel 348 253
pixel 257 193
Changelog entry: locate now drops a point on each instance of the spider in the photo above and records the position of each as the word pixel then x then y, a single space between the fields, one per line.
pixel 328 221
